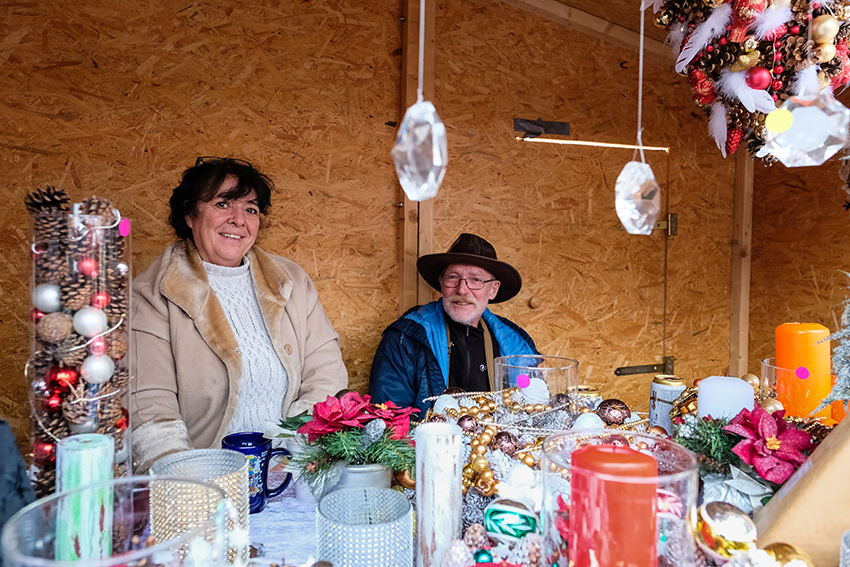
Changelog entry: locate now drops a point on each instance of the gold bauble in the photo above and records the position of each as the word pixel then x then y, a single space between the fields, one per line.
pixel 785 553
pixel 486 419
pixel 745 61
pixel 528 460
pixel 841 10
pixel 643 446
pixel 824 28
pixel 486 438
pixel 825 52
pixel 538 407
pixel 771 405
pixel 585 410
pixel 529 408
pixel 480 449
pixel 547 407
pixel 479 463
pixel 468 472
pixel 404 479
pixel 474 411
pixel 486 475
pixel 658 430
pixel 752 380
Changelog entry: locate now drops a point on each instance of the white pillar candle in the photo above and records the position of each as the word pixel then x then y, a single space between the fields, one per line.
pixel 84 519
pixel 439 490
pixel 723 396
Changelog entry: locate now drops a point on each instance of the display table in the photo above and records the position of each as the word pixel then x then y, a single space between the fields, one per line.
pixel 286 529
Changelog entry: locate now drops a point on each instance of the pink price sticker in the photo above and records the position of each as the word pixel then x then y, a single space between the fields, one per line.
pixel 802 373
pixel 523 381
pixel 124 227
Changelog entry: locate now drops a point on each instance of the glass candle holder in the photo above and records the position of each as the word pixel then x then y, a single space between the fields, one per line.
pixel 131 521
pixel 541 379
pixel 799 391
pixel 617 499
pixel 78 367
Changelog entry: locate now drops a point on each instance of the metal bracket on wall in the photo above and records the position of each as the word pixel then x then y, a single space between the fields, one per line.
pixel 671 225
pixel 665 368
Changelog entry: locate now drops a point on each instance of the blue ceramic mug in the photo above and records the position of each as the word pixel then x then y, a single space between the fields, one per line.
pixel 258 450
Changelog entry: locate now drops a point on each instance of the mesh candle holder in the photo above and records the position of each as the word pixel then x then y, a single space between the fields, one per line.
pixel 78 367
pixel 365 527
pixel 611 497
pixel 131 521
pixel 539 380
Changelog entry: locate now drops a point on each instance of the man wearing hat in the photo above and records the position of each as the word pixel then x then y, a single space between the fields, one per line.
pixel 450 342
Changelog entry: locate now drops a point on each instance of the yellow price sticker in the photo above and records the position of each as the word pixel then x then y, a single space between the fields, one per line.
pixel 779 120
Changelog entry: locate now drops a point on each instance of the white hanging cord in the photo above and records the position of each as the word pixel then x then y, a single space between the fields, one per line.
pixel 595 144
pixel 640 91
pixel 419 96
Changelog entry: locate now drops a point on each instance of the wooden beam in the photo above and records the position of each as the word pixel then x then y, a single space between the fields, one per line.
pixel 742 236
pixel 595 26
pixel 416 229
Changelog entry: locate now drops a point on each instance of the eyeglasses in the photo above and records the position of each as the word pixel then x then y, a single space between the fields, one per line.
pixel 216 159
pixel 453 280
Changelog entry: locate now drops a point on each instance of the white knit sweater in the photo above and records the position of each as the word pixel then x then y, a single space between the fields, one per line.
pixel 263 384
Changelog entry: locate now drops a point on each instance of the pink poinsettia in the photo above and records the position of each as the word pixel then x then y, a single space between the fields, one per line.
pixel 335 414
pixel 396 418
pixel 770 444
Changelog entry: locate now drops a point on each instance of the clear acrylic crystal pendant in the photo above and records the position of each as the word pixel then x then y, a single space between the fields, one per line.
pixel 420 153
pixel 638 198
pixel 806 130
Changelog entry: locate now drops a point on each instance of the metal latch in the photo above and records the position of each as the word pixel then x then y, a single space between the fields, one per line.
pixel 671 225
pixel 665 368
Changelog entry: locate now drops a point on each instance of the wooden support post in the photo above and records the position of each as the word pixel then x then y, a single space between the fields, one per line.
pixel 416 229
pixel 742 236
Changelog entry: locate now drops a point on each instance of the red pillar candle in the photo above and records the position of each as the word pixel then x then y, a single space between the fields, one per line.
pixel 803 377
pixel 612 520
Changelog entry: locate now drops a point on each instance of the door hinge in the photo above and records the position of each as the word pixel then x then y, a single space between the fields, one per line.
pixel 664 368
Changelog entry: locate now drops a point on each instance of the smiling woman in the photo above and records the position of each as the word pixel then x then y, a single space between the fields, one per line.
pixel 228 337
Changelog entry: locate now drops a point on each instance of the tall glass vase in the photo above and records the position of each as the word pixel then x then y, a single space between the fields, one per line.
pixel 79 332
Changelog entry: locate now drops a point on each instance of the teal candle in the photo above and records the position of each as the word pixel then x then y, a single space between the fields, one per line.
pixel 84 519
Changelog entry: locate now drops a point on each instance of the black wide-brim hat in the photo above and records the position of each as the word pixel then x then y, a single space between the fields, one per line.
pixel 473 250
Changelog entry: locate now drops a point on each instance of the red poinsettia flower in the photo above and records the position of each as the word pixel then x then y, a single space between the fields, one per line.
pixel 335 414
pixel 770 444
pixel 562 522
pixel 396 418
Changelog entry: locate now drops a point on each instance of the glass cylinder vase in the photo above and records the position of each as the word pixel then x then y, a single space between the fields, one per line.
pixel 540 379
pixel 131 522
pixel 798 391
pixel 617 499
pixel 79 333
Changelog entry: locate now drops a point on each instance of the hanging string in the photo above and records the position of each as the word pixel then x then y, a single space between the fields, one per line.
pixel 419 96
pixel 640 91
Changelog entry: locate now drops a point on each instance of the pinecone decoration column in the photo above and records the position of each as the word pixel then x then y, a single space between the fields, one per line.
pixel 75 291
pixel 47 208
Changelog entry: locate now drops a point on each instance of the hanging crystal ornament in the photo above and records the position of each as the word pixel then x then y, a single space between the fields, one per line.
pixel 806 130
pixel 420 152
pixel 637 194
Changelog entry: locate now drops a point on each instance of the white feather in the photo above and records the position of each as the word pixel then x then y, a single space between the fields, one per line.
pixel 717 125
pixel 676 35
pixel 714 26
pixel 806 81
pixel 770 19
pixel 656 4
pixel 734 85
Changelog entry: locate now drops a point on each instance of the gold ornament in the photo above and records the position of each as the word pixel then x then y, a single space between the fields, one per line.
pixel 468 472
pixel 771 405
pixel 663 19
pixel 785 553
pixel 841 10
pixel 487 488
pixel 658 430
pixel 585 410
pixel 825 52
pixel 750 44
pixel 685 404
pixel 824 28
pixel 745 61
pixel 752 380
pixel 404 479
pixel 724 529
pixel 479 463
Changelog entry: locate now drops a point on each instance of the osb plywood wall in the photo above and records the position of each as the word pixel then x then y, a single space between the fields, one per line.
pixel 116 99
pixel 801 238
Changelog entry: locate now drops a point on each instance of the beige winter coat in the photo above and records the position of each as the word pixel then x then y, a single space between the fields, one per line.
pixel 187 362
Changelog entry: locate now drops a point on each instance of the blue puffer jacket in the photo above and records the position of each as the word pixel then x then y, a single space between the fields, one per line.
pixel 412 361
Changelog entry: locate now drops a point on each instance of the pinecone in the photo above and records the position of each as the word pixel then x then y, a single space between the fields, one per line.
pixel 696 12
pixel 796 53
pixel 39 363
pixel 476 537
pixel 457 555
pixel 116 347
pixel 49 199
pixel 527 551
pixel 50 228
pixel 49 426
pixel 97 206
pixel 72 351
pixel 117 309
pixel 115 275
pixel 75 291
pixel 739 118
pixel 733 140
pixel 373 431
pixel 800 10
pixel 45 483
pixel 121 378
pixel 54 327
pixel 81 242
pixel 110 400
pixel 721 57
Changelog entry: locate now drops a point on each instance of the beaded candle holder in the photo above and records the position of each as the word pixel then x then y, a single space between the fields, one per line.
pixel 78 367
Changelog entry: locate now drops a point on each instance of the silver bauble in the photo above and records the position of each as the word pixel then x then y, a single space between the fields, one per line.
pixel 45 298
pixel 97 369
pixel 90 321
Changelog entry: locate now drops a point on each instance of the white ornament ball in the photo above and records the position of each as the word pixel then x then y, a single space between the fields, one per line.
pixel 445 402
pixel 45 298
pixel 90 321
pixel 97 369
pixel 537 392
pixel 589 421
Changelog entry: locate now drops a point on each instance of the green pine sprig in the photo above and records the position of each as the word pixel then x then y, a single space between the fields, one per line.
pixel 706 437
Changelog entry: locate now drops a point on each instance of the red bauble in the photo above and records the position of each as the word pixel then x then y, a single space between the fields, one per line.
pixel 43 453
pixel 121 424
pixel 36 315
pixel 59 380
pixel 52 403
pixel 100 299
pixel 776 85
pixel 795 30
pixel 87 266
pixel 722 41
pixel 98 346
pixel 709 48
pixel 778 70
pixel 758 78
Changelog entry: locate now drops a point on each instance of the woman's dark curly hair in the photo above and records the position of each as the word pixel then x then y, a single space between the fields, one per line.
pixel 201 182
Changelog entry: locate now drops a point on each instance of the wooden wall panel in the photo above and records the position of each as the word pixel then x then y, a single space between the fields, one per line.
pixel 117 98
